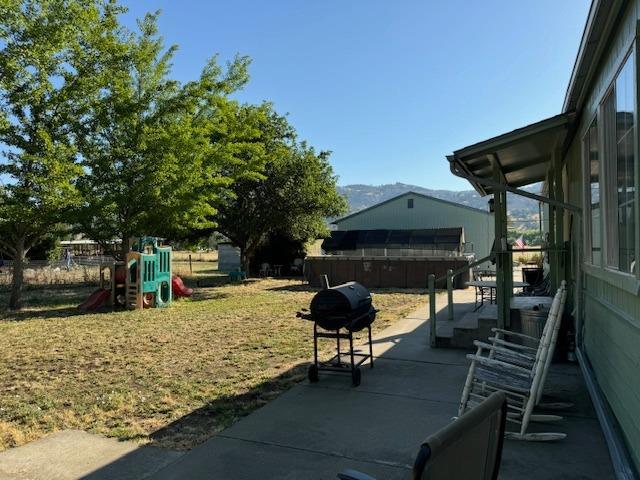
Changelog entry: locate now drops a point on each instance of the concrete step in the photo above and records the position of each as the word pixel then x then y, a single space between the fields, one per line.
pixel 461 332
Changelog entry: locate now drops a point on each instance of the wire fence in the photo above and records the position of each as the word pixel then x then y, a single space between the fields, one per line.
pixel 85 270
pixel 41 272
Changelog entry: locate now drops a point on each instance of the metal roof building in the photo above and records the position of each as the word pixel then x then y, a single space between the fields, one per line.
pixel 416 211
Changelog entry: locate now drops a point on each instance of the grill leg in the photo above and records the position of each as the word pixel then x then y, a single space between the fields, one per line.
pixel 370 349
pixel 338 346
pixel 315 344
pixel 353 363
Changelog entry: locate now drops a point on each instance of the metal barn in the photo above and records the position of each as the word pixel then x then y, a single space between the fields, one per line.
pixel 416 211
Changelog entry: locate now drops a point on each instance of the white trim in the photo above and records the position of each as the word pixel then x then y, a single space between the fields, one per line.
pixel 615 278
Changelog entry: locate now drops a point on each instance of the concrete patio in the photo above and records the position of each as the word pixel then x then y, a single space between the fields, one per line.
pixel 315 431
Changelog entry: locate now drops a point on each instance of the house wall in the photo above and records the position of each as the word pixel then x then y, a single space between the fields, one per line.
pixel 611 303
pixel 427 213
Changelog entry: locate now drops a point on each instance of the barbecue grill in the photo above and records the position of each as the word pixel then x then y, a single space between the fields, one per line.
pixel 337 312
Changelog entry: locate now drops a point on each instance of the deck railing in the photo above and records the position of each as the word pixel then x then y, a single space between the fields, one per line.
pixel 451 274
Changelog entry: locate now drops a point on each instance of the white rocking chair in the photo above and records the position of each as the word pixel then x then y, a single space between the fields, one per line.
pixel 516 370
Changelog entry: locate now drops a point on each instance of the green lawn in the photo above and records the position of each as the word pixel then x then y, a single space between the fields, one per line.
pixel 172 376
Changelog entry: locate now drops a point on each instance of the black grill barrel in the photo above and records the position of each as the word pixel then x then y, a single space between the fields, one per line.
pixel 343 306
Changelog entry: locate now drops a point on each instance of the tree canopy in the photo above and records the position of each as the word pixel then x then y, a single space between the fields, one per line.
pixel 47 71
pixel 295 196
pixel 95 133
pixel 152 167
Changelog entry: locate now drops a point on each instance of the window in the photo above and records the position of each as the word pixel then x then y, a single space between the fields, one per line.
pixel 591 154
pixel 619 190
pixel 410 203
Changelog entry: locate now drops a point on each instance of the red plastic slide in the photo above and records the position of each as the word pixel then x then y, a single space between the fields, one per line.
pixel 95 300
pixel 179 288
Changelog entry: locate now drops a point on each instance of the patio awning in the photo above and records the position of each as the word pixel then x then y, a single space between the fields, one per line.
pixel 523 156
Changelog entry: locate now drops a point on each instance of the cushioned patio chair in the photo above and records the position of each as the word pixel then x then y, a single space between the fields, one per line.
pixel 469 448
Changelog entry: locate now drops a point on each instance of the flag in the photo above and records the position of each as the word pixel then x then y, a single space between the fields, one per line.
pixel 519 243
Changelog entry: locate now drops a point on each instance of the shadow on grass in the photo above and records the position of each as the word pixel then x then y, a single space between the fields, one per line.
pixel 46 302
pixel 203 423
pixel 305 287
pixel 294 287
pixel 50 313
pixel 200 295
pixel 215 281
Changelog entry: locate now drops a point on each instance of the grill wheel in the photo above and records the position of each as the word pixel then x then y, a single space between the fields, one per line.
pixel 355 377
pixel 313 374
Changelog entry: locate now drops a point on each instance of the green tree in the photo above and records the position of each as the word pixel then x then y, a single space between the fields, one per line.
pixel 294 197
pixel 48 68
pixel 152 167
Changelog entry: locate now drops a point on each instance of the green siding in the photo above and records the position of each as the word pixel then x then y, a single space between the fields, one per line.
pixel 611 311
pixel 426 213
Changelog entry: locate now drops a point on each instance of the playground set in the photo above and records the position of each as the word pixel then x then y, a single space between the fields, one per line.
pixel 144 280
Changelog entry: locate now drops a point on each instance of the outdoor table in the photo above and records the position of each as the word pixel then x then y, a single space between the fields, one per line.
pixel 277 270
pixel 492 285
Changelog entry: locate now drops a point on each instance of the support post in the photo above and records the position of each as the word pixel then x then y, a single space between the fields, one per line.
pixel 552 237
pixel 450 294
pixel 508 278
pixel 504 267
pixel 559 220
pixel 432 308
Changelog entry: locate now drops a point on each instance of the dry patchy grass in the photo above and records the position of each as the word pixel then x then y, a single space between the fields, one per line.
pixel 183 256
pixel 173 376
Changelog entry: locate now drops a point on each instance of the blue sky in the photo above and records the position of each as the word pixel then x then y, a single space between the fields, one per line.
pixel 390 86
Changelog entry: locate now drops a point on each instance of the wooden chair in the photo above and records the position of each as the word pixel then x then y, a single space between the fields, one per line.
pixel 501 336
pixel 518 371
pixel 469 448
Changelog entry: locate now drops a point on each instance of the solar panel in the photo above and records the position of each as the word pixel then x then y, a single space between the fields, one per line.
pixel 443 238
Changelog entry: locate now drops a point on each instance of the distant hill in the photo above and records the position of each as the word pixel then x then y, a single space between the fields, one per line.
pixel 523 212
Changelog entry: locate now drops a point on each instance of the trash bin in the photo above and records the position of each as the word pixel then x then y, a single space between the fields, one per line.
pixel 533 322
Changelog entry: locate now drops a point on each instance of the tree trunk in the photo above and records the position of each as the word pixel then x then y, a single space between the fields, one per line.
pixel 15 300
pixel 245 261
pixel 246 255
pixel 124 248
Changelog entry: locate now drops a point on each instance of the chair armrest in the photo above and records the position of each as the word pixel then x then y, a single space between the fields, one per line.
pixel 516 346
pixel 515 334
pixel 499 349
pixel 354 475
pixel 490 362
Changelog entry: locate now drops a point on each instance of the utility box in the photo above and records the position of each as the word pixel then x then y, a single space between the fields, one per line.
pixel 228 257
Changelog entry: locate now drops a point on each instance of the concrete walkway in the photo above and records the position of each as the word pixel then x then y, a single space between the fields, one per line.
pixel 73 454
pixel 314 431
